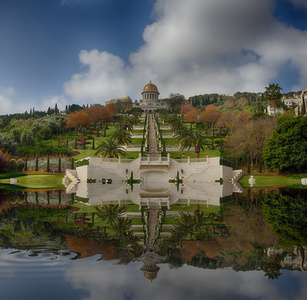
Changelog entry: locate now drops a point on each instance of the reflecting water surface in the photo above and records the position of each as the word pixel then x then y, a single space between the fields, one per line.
pixel 250 245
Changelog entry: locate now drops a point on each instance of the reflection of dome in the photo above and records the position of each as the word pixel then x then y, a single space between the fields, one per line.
pixel 150 87
pixel 151 273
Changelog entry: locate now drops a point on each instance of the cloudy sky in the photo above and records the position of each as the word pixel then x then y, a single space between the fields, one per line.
pixel 87 51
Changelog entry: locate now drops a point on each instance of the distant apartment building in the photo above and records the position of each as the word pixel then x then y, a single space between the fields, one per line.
pixel 291 102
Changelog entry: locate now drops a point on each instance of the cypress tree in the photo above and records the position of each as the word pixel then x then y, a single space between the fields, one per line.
pixel 36 162
pixel 75 143
pixel 67 143
pixel 60 199
pixel 93 145
pixel 26 163
pixel 84 140
pixel 72 163
pixel 248 165
pixel 260 164
pixel 303 108
pixel 48 167
pixel 59 170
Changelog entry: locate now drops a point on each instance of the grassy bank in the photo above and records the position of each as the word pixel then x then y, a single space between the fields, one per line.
pixel 267 181
pixel 37 181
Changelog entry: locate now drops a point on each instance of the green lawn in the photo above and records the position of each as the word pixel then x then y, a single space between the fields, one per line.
pixel 170 141
pixel 38 181
pixel 202 207
pixel 136 141
pixel 267 181
pixel 138 131
pixel 84 153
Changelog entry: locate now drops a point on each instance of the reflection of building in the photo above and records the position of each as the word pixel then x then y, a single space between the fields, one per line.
pixel 162 181
pixel 150 98
pixel 150 260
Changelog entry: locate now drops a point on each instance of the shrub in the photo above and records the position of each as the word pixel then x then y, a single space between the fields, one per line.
pixel 12 164
pixel 27 137
pixel 45 133
pixel 42 150
pixel 7 144
pixel 82 162
pixel 3 163
pixel 15 134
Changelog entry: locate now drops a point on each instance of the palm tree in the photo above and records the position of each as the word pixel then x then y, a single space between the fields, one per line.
pixel 121 135
pixel 193 138
pixel 176 124
pixel 273 94
pixel 110 148
pixel 128 122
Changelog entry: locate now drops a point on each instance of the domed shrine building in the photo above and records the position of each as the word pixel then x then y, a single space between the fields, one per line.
pixel 150 99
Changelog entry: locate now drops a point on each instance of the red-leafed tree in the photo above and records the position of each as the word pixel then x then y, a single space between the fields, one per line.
pixel 97 113
pixel 186 108
pixel 210 115
pixel 78 120
pixel 192 115
pixel 233 119
pixel 110 112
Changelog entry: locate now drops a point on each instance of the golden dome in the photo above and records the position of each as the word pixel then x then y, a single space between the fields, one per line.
pixel 150 87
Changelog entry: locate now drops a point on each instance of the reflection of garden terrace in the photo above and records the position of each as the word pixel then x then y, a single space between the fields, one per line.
pixel 185 180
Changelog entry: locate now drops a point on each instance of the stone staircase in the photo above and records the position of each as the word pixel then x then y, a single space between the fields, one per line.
pixel 72 175
pixel 236 175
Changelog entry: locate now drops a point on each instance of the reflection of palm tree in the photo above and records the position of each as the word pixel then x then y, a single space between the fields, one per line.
pixel 272 267
pixel 193 138
pixel 122 227
pixel 110 213
pixel 195 225
pixel 110 148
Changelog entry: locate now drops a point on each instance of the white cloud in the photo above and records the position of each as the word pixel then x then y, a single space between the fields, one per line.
pixel 50 102
pixel 6 105
pixel 119 282
pixel 197 47
pixel 106 76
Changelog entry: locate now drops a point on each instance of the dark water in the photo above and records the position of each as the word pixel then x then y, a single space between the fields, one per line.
pixel 255 248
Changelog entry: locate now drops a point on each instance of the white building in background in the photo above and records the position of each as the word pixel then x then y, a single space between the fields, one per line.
pixel 291 102
pixel 150 99
pixel 125 99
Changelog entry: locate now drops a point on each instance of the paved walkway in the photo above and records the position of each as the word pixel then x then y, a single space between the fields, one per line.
pixel 153 215
pixel 152 139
